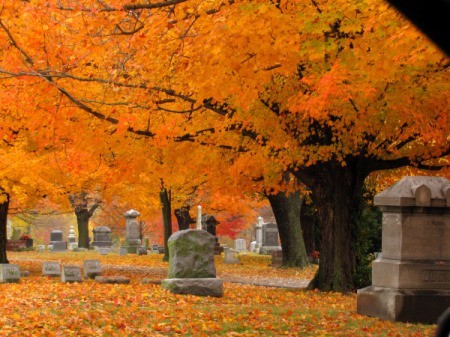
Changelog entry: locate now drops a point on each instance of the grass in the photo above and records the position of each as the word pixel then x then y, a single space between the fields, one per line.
pixel 42 306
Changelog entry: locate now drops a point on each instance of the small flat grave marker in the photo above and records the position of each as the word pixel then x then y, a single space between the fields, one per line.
pixel 71 274
pixel 112 279
pixel 9 273
pixel 51 268
pixel 92 268
pixel 142 251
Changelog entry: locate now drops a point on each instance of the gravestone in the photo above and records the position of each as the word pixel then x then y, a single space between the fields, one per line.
pixel 142 251
pixel 71 274
pixel 411 280
pixel 240 245
pixel 258 235
pixel 59 246
pixel 9 273
pixel 102 237
pixel 231 256
pixel 55 235
pixel 133 232
pixel 92 268
pixel 112 279
pixel 253 246
pixel 40 248
pixel 71 237
pixel 277 258
pixel 269 238
pixel 51 268
pixel 209 223
pixel 123 251
pixel 191 264
pixel 155 249
pixel 103 250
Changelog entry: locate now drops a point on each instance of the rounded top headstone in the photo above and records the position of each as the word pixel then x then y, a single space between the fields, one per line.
pixel 131 214
pixel 416 191
pixel 102 229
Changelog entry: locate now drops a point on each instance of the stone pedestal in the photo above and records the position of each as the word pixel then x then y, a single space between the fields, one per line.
pixel 102 237
pixel 133 240
pixel 411 282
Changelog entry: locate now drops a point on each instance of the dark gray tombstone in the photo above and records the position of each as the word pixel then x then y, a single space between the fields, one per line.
pixel 102 237
pixel 59 246
pixel 142 251
pixel 270 235
pixel 56 235
pixel 411 280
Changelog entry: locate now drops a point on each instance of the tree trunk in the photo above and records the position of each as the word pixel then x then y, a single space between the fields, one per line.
pixel 80 204
pixel 183 217
pixel 286 209
pixel 4 206
pixel 83 227
pixel 336 195
pixel 164 197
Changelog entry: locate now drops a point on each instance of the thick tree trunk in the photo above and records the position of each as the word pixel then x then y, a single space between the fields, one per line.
pixel 83 227
pixel 164 197
pixel 286 209
pixel 83 213
pixel 335 193
pixel 4 206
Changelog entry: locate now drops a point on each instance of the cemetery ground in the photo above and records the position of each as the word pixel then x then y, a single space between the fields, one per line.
pixel 44 306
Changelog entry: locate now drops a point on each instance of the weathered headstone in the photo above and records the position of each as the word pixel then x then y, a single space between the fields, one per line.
pixel 142 251
pixel 71 274
pixel 231 256
pixel 92 268
pixel 59 246
pixel 270 241
pixel 40 248
pixel 240 245
pixel 102 237
pixel 253 246
pixel 133 240
pixel 51 268
pixel 123 251
pixel 104 250
pixel 411 280
pixel 277 258
pixel 9 273
pixel 191 264
pixel 155 249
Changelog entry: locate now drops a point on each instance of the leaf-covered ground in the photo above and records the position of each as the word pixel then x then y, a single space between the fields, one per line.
pixel 42 306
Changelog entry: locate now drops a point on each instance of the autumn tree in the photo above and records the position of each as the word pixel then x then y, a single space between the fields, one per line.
pixel 317 94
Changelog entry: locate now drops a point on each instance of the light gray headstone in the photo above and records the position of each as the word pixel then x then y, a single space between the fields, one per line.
pixel 231 256
pixel 92 268
pixel 142 251
pixel 123 251
pixel 71 274
pixel 191 254
pixel 9 273
pixel 240 245
pixel 51 268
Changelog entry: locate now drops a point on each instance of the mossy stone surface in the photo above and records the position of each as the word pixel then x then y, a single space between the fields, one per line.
pixel 191 254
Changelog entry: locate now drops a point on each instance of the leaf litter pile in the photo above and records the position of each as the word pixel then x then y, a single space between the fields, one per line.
pixel 44 306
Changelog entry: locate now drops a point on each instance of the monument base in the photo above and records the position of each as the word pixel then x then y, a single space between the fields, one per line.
pixel 194 286
pixel 400 305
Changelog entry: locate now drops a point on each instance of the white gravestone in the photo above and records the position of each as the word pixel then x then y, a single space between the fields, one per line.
pixel 92 268
pixel 9 273
pixel 199 217
pixel 51 268
pixel 231 256
pixel 240 245
pixel 71 274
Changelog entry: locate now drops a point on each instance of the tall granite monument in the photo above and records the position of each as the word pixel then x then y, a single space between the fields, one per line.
pixel 411 280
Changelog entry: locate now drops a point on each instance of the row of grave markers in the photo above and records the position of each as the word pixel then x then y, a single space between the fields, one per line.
pixel 10 273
